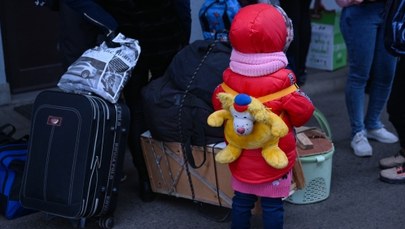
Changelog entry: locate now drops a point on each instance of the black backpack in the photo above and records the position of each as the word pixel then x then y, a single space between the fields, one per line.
pixel 394 40
pixel 178 103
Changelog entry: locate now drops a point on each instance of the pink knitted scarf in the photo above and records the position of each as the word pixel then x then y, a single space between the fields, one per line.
pixel 257 64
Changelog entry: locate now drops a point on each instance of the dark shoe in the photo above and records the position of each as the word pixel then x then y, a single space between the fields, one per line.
pixel 394 175
pixel 145 192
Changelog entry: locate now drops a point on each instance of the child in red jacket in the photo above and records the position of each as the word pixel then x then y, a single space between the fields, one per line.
pixel 260 35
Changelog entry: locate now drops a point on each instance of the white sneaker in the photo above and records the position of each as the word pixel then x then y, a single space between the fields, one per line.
pixel 393 161
pixel 394 175
pixel 382 135
pixel 361 146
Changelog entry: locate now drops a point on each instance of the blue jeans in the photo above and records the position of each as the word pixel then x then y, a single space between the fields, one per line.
pixel 242 205
pixel 371 67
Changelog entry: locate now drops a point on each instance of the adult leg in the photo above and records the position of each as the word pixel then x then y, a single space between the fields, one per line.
pixel 183 9
pixel 358 25
pixel 396 111
pixel 299 13
pixel 305 39
pixel 273 213
pixel 146 69
pixel 379 86
pixel 132 93
pixel 76 35
pixel 359 32
pixel 383 71
pixel 158 68
pixel 293 12
pixel 242 205
pixel 395 107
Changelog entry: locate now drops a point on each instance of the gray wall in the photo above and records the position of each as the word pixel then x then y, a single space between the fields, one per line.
pixel 196 28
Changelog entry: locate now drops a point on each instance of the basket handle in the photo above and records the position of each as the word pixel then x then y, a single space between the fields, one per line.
pixel 316 159
pixel 323 122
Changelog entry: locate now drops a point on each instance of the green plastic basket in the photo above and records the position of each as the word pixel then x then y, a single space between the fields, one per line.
pixel 317 171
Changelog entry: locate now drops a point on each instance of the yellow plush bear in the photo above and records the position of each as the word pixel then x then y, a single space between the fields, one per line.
pixel 249 125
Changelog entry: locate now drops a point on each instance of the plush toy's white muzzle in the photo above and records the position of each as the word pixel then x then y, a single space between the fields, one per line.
pixel 243 122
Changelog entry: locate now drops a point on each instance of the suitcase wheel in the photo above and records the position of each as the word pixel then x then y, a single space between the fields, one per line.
pixel 106 223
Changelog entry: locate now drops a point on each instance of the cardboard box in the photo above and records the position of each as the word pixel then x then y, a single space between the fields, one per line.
pixel 211 183
pixel 327 50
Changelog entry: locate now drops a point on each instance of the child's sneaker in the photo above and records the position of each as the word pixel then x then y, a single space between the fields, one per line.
pixel 361 146
pixel 394 175
pixel 393 161
pixel 382 135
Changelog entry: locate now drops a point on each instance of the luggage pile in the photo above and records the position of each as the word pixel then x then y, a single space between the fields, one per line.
pixel 78 138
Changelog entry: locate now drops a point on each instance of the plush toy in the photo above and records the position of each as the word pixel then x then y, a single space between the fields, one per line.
pixel 249 125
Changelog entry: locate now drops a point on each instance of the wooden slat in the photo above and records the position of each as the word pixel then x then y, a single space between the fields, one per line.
pixel 304 142
pixel 298 175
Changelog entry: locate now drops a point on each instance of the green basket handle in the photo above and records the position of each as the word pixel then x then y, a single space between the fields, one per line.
pixel 317 158
pixel 323 123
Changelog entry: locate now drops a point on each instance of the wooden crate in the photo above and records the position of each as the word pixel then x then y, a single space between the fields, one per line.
pixel 211 183
pixel 169 174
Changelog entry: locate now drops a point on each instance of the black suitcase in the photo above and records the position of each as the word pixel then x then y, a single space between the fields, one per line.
pixel 75 156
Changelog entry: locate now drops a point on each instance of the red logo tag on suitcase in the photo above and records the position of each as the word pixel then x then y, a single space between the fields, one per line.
pixel 54 121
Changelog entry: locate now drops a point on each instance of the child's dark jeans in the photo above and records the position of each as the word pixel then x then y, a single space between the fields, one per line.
pixel 242 205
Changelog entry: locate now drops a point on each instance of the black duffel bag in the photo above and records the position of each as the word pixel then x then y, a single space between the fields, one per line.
pixel 178 103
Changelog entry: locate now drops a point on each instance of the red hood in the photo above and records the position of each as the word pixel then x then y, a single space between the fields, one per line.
pixel 258 28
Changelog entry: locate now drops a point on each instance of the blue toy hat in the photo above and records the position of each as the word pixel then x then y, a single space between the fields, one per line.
pixel 241 102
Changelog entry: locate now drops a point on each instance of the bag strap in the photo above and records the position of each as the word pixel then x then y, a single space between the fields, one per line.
pixel 186 142
pixel 199 131
pixel 319 116
pixel 265 98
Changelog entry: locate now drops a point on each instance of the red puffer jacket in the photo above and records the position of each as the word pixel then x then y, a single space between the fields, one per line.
pixel 296 110
pixel 262 29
